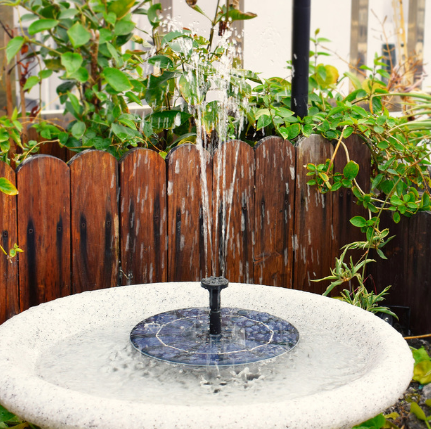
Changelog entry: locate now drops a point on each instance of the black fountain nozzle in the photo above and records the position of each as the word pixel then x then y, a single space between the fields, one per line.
pixel 214 285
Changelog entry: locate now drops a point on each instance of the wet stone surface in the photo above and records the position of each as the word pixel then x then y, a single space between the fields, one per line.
pixel 182 336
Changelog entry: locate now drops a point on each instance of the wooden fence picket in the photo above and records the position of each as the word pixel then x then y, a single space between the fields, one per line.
pixel 9 293
pixel 95 231
pixel 313 231
pixel 344 202
pixel 43 230
pixel 274 210
pixel 143 217
pixel 189 252
pixel 77 223
pixel 233 193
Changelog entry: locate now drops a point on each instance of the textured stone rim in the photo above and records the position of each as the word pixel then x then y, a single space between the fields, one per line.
pixel 26 335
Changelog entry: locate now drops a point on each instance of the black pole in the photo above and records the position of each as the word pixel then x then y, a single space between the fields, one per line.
pixel 300 56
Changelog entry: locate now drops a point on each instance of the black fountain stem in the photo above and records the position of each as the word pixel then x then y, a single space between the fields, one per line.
pixel 214 285
pixel 300 56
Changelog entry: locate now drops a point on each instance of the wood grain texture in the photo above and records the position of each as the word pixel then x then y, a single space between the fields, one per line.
pixel 274 210
pixel 9 292
pixel 407 268
pixel 43 230
pixel 189 254
pixel 344 202
pixel 233 212
pixel 143 213
pixel 94 212
pixel 418 281
pixel 313 231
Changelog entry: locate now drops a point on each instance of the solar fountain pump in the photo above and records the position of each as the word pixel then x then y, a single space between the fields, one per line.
pixel 214 286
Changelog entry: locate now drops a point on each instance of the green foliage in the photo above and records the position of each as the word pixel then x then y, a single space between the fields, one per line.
pixel 422 368
pixel 10 420
pixel 377 422
pixel 420 414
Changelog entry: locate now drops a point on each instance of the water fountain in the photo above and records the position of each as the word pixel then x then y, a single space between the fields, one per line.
pixel 70 363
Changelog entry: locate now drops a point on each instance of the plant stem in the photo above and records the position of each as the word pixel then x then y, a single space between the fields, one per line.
pixel 213 24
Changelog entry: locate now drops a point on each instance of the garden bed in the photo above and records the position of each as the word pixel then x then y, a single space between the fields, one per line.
pixel 416 393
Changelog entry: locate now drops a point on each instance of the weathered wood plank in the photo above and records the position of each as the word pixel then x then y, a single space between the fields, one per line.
pixel 407 268
pixel 9 293
pixel 143 213
pixel 233 212
pixel 189 252
pixel 94 212
pixel 43 230
pixel 344 202
pixel 417 279
pixel 313 232
pixel 274 209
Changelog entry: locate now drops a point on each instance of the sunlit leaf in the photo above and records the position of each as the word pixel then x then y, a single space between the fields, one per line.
pixel 7 187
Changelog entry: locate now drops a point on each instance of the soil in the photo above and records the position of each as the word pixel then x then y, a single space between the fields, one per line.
pixel 416 393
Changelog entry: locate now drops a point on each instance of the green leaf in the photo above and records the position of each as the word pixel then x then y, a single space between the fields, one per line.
pixel 99 143
pixel 396 201
pixel 121 7
pixel 67 13
pixel 45 74
pixel 105 35
pixel 294 131
pixel 71 61
pixel 81 75
pixel 284 132
pixel 152 14
pixel 354 79
pixel 377 422
pixel 7 187
pixel 263 121
pixel 347 132
pixel 78 35
pixel 31 81
pixel 171 36
pixel 422 372
pixel 123 132
pixel 5 415
pixel 161 61
pixel 110 18
pixel 78 129
pixel 28 17
pixel 147 129
pixel 123 27
pixel 351 170
pixel 358 221
pixel 42 25
pixel 132 97
pixel 420 355
pixel 417 410
pixel 237 15
pixel 13 47
pixel 383 145
pixel 117 79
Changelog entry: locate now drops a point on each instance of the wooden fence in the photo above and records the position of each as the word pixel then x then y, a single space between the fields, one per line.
pixel 97 222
